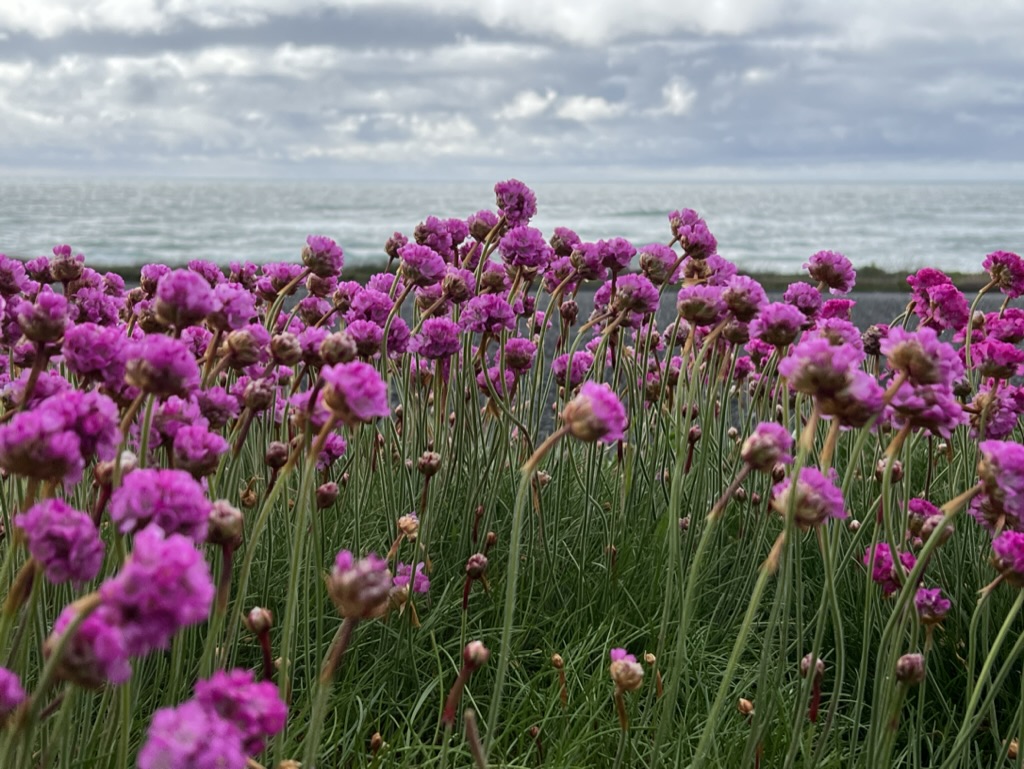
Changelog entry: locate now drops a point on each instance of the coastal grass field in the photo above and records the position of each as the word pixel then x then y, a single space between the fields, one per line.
pixel 511 500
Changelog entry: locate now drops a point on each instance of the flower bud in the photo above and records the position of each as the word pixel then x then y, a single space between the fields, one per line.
pixel 931 524
pixel 557 662
pixel 258 395
pixel 225 524
pixel 569 311
pixel 376 743
pixel 244 348
pixel 104 471
pixel 338 347
pixel 259 620
pixel 684 523
pixel 475 655
pixel 778 473
pixel 810 661
pixel 695 435
pixel 745 707
pixel 897 470
pixel 733 434
pixel 476 565
pixel 285 349
pixel 740 495
pixel 248 498
pixel 326 495
pixel 277 455
pixel 853 525
pixel 429 463
pixel 626 672
pixel 910 669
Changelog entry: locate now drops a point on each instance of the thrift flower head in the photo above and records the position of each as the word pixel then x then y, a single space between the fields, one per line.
pixel 700 305
pixel 627 674
pixel 367 335
pixel 999 360
pixel 744 297
pixel 45 319
pixel 488 313
pixel 816 498
pixel 164 586
pixel 190 736
pixel 197 450
pixel 322 256
pixel 252 707
pixel 525 247
pixel 635 293
pixel 160 365
pixel 931 407
pixel 183 297
pixel 596 414
pixel 833 269
pixel 921 356
pixel 435 235
pixel 421 266
pixel 656 262
pixel 63 540
pixel 941 307
pixel 519 354
pixel 615 253
pixel 1008 549
pixel 767 446
pixel 516 202
pixel 95 351
pixel 11 692
pixel 438 338
pixel 777 324
pixel 354 392
pixel 1001 470
pixel 233 307
pixel 171 499
pixel 403 576
pixel 1007 271
pixel 884 570
pixel 97 654
pixel 817 367
pixel 359 588
pixel 931 607
pixel 805 298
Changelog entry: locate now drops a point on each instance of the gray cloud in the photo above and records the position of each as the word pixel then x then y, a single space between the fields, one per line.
pixel 466 89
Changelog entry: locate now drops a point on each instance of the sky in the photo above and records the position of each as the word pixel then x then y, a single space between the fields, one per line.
pixel 467 89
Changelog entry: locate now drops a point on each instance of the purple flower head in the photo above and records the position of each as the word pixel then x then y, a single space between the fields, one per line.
pixel 355 392
pixel 233 307
pixel 458 285
pixel 1001 470
pixel 587 259
pixel 805 298
pixel 621 655
pixel 252 707
pixel 45 319
pixel 94 305
pixel 63 540
pixel 171 499
pixel 164 585
pixel 197 450
pixel 97 654
pixel 837 308
pixel 150 277
pixel 921 357
pixel 564 241
pixel 1007 271
pixel 334 448
pixel 859 402
pixel 525 247
pixel 368 304
pixel 11 692
pixel 438 338
pixel 211 273
pixel 595 414
pixel 281 275
pixel 833 270
pixel 322 256
pixel 171 415
pixel 1007 326
pixel 701 305
pixel 501 380
pixel 488 313
pixel 183 297
pixel 581 363
pixel 777 324
pixel 403 576
pixel 481 223
pixel 515 201
pixel 941 307
pixel 359 588
pixel 816 500
pixel 931 607
pixel 1008 548
pixel 657 262
pixel 38 269
pixel 884 571
pixel 999 360
pixel 95 352
pixel 926 278
pixel 928 407
pixel 160 365
pixel 65 265
pixel 744 297
pixel 616 253
pixel 693 233
pixel 520 354
pixel 435 235
pixel 40 445
pixel 421 266
pixel 627 674
pixel 367 336
pixel 768 445
pixel 12 276
pixel 190 736
pixel 840 332
pixel 635 294
pixel 714 270
pixel 217 406
pixel 1001 408
pixel 817 367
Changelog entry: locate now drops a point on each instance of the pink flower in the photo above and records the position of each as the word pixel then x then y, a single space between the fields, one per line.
pixel 355 392
pixel 596 414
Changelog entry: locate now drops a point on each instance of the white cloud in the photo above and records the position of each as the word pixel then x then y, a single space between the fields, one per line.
pixel 678 97
pixel 526 104
pixel 588 108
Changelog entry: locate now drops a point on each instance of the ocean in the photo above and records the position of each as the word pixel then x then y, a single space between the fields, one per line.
pixel 770 227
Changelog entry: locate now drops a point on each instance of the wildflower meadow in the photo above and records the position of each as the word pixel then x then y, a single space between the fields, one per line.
pixel 516 500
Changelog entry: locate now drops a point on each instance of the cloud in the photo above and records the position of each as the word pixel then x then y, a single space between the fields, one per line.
pixel 588 108
pixel 526 104
pixel 678 97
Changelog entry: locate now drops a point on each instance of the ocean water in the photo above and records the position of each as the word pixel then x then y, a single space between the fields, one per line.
pixel 764 226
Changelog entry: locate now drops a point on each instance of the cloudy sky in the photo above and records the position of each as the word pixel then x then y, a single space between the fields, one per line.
pixel 473 88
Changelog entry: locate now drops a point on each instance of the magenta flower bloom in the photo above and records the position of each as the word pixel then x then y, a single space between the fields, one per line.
pixel 635 293
pixel 621 655
pixel 93 351
pixel 322 256
pixel 516 202
pixel 45 319
pixel 777 324
pixel 929 407
pixel 354 392
pixel 1006 327
pixel 165 585
pixel 92 416
pixel 211 273
pixel 581 363
pixel 1008 548
pixel 701 305
pixel 334 448
pixel 421 582
pixel 11 692
pixel 519 354
pixel 421 266
pixel 190 736
pixel 435 234
pixel 367 336
pixel 922 357
pixel 768 445
pixel 941 307
pixel 657 262
pixel 217 406
pixel 369 304
pixel 12 276
pixel 817 367
pixel 817 498
pixel 837 308
pixel 252 707
pixel 931 607
pixel 525 247
pixel 884 572
pixel 97 654
pixel 197 450
pixel 501 380
pixel 805 298
pixel 693 234
pixel 616 253
pixel 458 285
pixel 833 270
pixel 1007 271
pixel 744 297
pixel 63 540
pixel 183 297
pixel 161 365
pixel 858 403
pixel 1001 470
pixel 488 313
pixel 359 588
pixel 233 307
pixel 171 499
pixel 438 338
pixel 999 360
pixel 627 674
pixel 595 414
